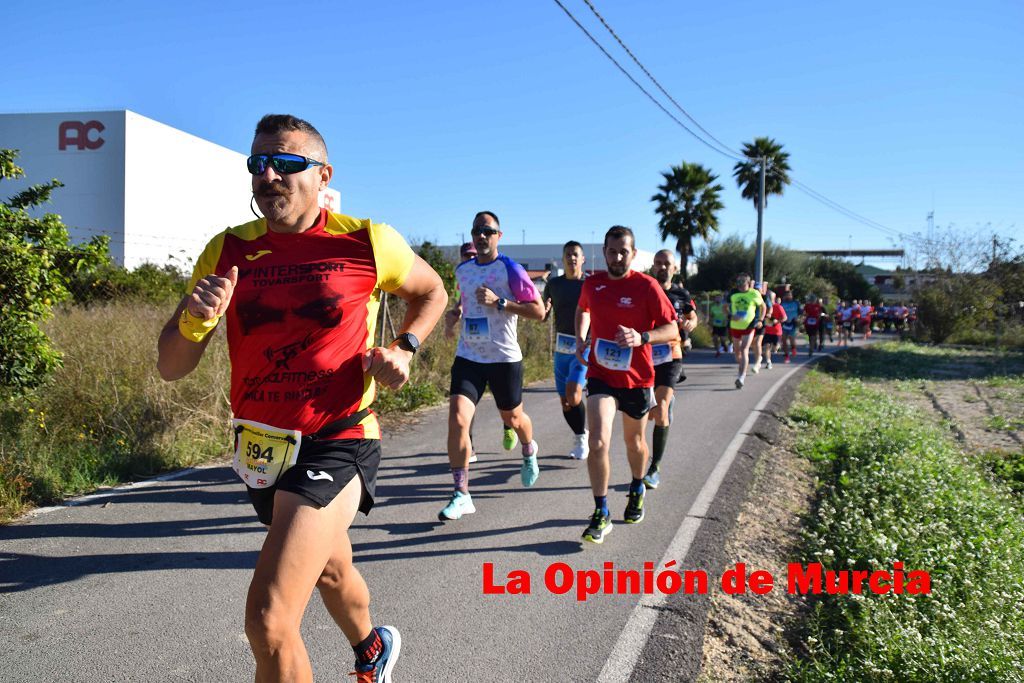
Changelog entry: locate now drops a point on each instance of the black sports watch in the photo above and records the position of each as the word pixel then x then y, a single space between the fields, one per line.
pixel 501 304
pixel 408 342
pixel 645 338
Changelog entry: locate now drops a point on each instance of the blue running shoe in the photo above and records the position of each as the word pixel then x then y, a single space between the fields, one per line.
pixel 460 504
pixel 380 671
pixel 652 478
pixel 530 470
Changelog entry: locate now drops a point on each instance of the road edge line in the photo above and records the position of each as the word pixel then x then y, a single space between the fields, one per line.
pixel 630 644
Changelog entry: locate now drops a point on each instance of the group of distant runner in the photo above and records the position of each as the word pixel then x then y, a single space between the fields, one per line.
pixel 299 290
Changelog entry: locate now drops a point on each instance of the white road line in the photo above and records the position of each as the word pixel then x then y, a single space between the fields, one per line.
pixel 622 660
pixel 116 491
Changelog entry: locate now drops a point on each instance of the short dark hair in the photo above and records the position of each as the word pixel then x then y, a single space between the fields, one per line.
pixel 487 213
pixel 617 231
pixel 272 124
pixel 571 244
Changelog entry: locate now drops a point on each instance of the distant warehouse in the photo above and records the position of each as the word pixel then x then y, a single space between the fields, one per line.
pixel 160 193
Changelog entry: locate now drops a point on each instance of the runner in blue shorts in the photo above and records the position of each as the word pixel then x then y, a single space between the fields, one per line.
pixel 561 294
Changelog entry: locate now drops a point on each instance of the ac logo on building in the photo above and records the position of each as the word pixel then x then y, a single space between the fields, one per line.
pixel 78 134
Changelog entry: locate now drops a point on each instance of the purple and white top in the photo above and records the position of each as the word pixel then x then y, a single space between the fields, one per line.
pixel 487 334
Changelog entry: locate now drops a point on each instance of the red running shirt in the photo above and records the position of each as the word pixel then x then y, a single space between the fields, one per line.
pixel 812 312
pixel 302 314
pixel 778 313
pixel 635 301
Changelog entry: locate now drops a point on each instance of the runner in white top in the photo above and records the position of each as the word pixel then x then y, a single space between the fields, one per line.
pixel 495 291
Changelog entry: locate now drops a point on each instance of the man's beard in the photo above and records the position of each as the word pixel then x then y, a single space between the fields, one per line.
pixel 661 276
pixel 617 270
pixel 272 203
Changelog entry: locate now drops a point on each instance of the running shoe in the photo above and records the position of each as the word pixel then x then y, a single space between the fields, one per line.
pixel 739 382
pixel 460 504
pixel 634 508
pixel 581 447
pixel 787 360
pixel 768 366
pixel 600 526
pixel 380 671
pixel 755 368
pixel 509 439
pixel 652 478
pixel 530 470
pixel 472 457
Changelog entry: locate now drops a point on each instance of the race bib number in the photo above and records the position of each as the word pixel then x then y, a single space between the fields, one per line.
pixel 263 452
pixel 612 356
pixel 742 315
pixel 565 343
pixel 476 329
pixel 811 322
pixel 661 353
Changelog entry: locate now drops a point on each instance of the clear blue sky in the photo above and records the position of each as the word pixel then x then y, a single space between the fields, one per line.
pixel 433 111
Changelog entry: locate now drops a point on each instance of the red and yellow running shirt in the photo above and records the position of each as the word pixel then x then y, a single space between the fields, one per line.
pixel 635 301
pixel 302 314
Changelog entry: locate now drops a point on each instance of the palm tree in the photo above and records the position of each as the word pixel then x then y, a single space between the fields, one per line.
pixel 688 203
pixel 747 173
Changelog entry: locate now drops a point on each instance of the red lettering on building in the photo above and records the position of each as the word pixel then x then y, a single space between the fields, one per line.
pixel 77 134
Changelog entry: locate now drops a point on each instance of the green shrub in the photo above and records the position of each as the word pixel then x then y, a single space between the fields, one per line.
pixel 36 259
pixel 893 488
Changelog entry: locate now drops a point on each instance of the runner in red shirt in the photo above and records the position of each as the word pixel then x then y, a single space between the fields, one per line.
pixel 772 328
pixel 624 312
pixel 299 292
pixel 813 324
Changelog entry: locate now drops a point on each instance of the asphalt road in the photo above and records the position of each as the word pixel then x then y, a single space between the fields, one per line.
pixel 148 583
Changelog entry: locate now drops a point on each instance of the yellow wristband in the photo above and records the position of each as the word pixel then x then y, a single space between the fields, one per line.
pixel 195 329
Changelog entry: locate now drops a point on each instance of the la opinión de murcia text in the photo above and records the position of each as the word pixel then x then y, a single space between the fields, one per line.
pixel 801 579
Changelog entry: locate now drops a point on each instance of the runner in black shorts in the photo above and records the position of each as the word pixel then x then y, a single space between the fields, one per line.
pixel 624 314
pixel 494 292
pixel 308 450
pixel 668 361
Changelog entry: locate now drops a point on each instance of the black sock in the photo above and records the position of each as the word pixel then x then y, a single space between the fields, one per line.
pixel 636 486
pixel 660 439
pixel 369 648
pixel 576 417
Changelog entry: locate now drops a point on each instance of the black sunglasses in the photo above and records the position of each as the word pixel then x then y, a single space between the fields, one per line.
pixel 282 163
pixel 486 232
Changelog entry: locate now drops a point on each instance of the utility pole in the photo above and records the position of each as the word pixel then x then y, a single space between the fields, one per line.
pixel 759 257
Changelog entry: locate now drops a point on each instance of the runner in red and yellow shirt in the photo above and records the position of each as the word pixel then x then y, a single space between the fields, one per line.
pixel 623 312
pixel 299 290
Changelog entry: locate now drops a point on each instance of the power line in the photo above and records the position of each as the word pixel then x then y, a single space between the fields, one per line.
pixel 644 90
pixel 656 83
pixel 729 152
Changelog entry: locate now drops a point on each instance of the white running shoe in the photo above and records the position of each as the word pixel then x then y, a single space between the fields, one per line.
pixel 472 457
pixel 755 368
pixel 739 382
pixel 581 447
pixel 768 365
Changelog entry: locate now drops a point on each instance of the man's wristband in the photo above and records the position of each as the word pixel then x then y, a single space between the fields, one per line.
pixel 195 329
pixel 645 338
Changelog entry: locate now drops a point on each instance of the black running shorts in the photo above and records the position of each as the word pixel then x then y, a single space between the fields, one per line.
pixel 669 374
pixel 719 331
pixel 635 402
pixel 323 469
pixel 505 380
pixel 771 339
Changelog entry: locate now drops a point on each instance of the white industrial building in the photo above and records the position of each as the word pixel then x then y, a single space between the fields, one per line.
pixel 160 193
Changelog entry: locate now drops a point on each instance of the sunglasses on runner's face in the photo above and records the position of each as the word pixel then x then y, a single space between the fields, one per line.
pixel 282 163
pixel 485 231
